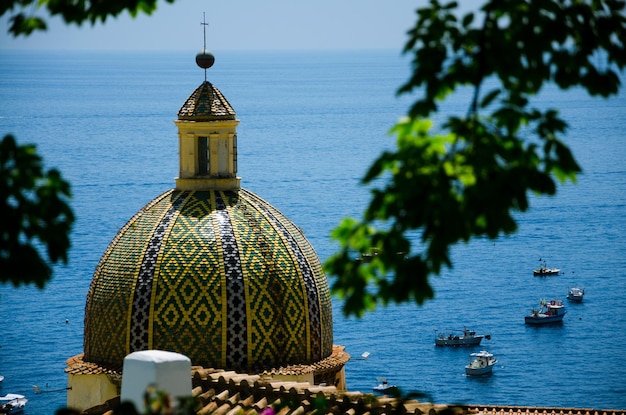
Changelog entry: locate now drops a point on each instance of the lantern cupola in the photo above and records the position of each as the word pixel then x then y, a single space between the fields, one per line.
pixel 207 138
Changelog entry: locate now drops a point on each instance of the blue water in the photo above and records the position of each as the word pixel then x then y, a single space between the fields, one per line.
pixel 311 123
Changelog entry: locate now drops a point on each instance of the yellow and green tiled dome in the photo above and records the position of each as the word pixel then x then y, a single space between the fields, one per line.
pixel 209 269
pixel 220 276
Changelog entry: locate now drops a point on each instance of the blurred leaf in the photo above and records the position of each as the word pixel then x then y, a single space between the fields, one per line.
pixel 23 21
pixel 467 180
pixel 36 214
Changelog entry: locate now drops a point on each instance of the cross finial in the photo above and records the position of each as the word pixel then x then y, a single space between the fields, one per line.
pixel 204 59
pixel 205 24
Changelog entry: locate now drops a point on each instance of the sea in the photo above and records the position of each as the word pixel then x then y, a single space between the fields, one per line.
pixel 311 123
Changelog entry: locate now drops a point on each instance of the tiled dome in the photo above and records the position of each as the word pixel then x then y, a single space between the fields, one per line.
pixel 220 276
pixel 206 103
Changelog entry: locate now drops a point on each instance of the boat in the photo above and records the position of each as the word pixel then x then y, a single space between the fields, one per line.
pixel 551 311
pixel 544 271
pixel 466 338
pixel 1 378
pixel 384 387
pixel 12 403
pixel 368 256
pixel 480 364
pixel 576 294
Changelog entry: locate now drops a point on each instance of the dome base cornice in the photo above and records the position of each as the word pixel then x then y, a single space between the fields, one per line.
pixel 197 184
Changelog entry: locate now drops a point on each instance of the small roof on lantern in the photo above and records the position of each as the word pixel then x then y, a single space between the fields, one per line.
pixel 206 103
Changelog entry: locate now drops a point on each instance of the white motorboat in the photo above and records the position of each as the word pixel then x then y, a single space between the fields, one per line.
pixel 385 387
pixel 480 364
pixel 576 294
pixel 12 403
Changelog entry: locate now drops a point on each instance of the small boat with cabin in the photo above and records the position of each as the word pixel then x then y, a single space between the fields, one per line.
pixel 465 338
pixel 576 294
pixel 548 312
pixel 544 271
pixel 480 364
pixel 12 403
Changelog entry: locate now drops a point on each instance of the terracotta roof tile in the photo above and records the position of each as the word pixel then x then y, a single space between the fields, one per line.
pixel 77 366
pixel 221 392
pixel 337 358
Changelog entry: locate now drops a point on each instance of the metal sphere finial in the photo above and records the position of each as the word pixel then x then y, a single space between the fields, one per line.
pixel 205 59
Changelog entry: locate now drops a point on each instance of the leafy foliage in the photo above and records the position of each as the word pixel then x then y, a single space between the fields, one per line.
pixel 34 208
pixel 35 212
pixel 467 180
pixel 23 22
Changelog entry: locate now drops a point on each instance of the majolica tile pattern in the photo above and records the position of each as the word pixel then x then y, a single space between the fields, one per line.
pixel 222 277
pixel 206 103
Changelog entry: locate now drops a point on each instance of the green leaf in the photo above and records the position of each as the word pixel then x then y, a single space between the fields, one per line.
pixel 34 205
pixel 22 25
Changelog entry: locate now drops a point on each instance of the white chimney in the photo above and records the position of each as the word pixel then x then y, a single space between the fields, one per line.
pixel 166 371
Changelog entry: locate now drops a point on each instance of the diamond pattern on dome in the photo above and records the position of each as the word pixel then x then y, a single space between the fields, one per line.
pixel 234 284
pixel 309 281
pixel 269 291
pixel 206 103
pixel 140 314
pixel 190 281
pixel 236 313
pixel 108 307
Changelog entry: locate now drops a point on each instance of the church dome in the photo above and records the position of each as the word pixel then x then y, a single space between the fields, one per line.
pixel 220 276
pixel 209 269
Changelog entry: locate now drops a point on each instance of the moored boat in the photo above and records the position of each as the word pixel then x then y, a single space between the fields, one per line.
pixel 12 403
pixel 465 338
pixel 544 271
pixel 551 311
pixel 480 364
pixel 385 387
pixel 576 294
